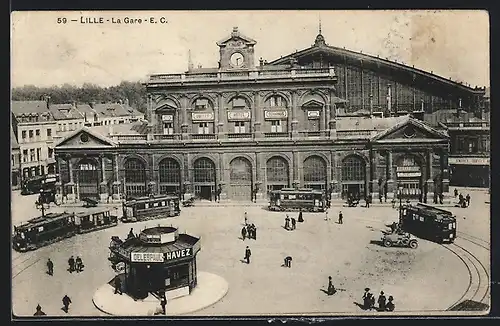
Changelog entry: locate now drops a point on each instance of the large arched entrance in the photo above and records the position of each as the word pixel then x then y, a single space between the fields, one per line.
pixel 409 177
pixel 277 173
pixel 135 178
pixel 204 178
pixel 240 180
pixel 87 179
pixel 353 177
pixel 170 176
pixel 315 173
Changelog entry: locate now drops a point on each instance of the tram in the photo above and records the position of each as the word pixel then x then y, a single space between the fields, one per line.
pixel 94 219
pixel 429 222
pixel 150 207
pixel 35 184
pixel 43 230
pixel 53 227
pixel 290 199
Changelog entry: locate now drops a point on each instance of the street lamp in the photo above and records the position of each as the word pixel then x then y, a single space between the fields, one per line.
pixel 400 192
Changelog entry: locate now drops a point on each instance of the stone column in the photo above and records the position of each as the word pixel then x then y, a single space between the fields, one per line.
pixel 188 175
pixel 295 169
pixel 258 115
pixel 259 176
pixel 116 181
pixel 152 175
pixel 103 186
pixel 444 165
pixel 70 187
pixel 151 117
pixel 333 116
pixel 222 117
pixel 295 122
pixel 373 175
pixel 184 113
pixel 430 180
pixel 216 113
pixel 389 175
pixel 59 184
pixel 222 182
pixel 335 181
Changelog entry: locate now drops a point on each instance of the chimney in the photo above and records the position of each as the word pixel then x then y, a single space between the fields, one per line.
pixel 261 62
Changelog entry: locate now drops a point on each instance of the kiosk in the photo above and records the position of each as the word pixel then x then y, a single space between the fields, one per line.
pixel 159 260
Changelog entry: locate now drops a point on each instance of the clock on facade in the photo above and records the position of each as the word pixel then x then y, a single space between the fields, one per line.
pixel 237 59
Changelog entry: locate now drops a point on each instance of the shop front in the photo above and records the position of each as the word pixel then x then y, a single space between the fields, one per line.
pixel 159 260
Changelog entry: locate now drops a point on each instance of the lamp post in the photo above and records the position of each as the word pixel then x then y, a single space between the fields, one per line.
pixel 400 193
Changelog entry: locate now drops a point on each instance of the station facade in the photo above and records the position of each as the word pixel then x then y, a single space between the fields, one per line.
pixel 324 118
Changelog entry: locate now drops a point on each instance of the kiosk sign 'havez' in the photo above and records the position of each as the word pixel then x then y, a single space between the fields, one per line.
pixel 181 253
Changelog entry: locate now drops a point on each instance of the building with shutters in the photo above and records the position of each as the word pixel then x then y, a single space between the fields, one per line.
pixel 324 117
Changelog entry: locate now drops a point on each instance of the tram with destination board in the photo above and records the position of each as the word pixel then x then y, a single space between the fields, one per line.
pixel 53 227
pixel 429 222
pixel 150 207
pixel 290 199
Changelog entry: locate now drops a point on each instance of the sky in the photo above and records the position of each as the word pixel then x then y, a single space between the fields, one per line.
pixel 44 52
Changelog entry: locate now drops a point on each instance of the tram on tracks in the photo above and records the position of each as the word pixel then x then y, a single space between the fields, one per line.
pixel 291 199
pixel 53 227
pixel 150 207
pixel 37 183
pixel 429 222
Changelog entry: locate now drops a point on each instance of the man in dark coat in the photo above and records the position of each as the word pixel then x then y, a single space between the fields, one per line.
pixel 254 232
pixel 331 289
pixel 287 222
pixel 341 217
pixel 248 253
pixel 288 261
pixel 390 305
pixel 39 311
pixel 71 263
pixel 78 264
pixel 455 192
pixel 381 301
pixel 50 267
pixel 118 285
pixel 294 223
pixel 300 219
pixel 467 199
pixel 66 302
pixel 243 233
pixel 163 303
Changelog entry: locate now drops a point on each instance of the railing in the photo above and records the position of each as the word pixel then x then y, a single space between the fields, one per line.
pixel 310 133
pixel 241 75
pixel 277 135
pixel 130 138
pixel 203 136
pixel 361 134
pixel 167 137
pixel 239 135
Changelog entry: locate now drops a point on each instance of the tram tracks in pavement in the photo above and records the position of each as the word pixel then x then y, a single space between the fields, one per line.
pixel 21 263
pixel 475 240
pixel 479 278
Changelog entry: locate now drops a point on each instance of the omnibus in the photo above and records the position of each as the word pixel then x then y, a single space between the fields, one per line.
pixel 429 222
pixel 35 184
pixel 289 199
pixel 150 207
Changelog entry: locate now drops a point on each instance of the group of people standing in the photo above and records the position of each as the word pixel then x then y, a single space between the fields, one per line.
pixel 249 230
pixel 75 265
pixel 462 201
pixel 384 304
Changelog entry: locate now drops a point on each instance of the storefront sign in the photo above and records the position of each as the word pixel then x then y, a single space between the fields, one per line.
pixel 240 115
pixel 313 114
pixel 181 253
pixel 167 117
pixel 149 238
pixel 146 257
pixel 408 169
pixel 469 160
pixel 409 174
pixel 202 116
pixel 276 114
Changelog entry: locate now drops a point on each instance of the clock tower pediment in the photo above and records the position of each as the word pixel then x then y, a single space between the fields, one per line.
pixel 236 51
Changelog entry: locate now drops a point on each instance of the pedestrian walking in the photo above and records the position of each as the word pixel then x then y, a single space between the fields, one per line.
pixel 381 301
pixel 118 285
pixel 50 267
pixel 390 304
pixel 467 199
pixel 380 197
pixel 246 218
pixel 455 192
pixel 163 303
pixel 300 219
pixel 294 223
pixel 341 217
pixel 331 289
pixel 78 264
pixel 39 311
pixel 66 302
pixel 287 222
pixel 254 232
pixel 367 200
pixel 71 263
pixel 288 261
pixel 131 234
pixel 248 253
pixel 243 233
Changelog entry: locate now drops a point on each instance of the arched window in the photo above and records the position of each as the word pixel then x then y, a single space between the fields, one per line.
pixel 135 178
pixel 88 179
pixel 170 176
pixel 314 171
pixel 353 168
pixel 202 104
pixel 241 170
pixel 204 170
pixel 276 101
pixel 277 170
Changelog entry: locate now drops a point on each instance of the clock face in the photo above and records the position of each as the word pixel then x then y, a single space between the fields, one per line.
pixel 237 59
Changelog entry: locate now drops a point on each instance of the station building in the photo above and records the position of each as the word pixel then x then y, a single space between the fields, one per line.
pixel 323 117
